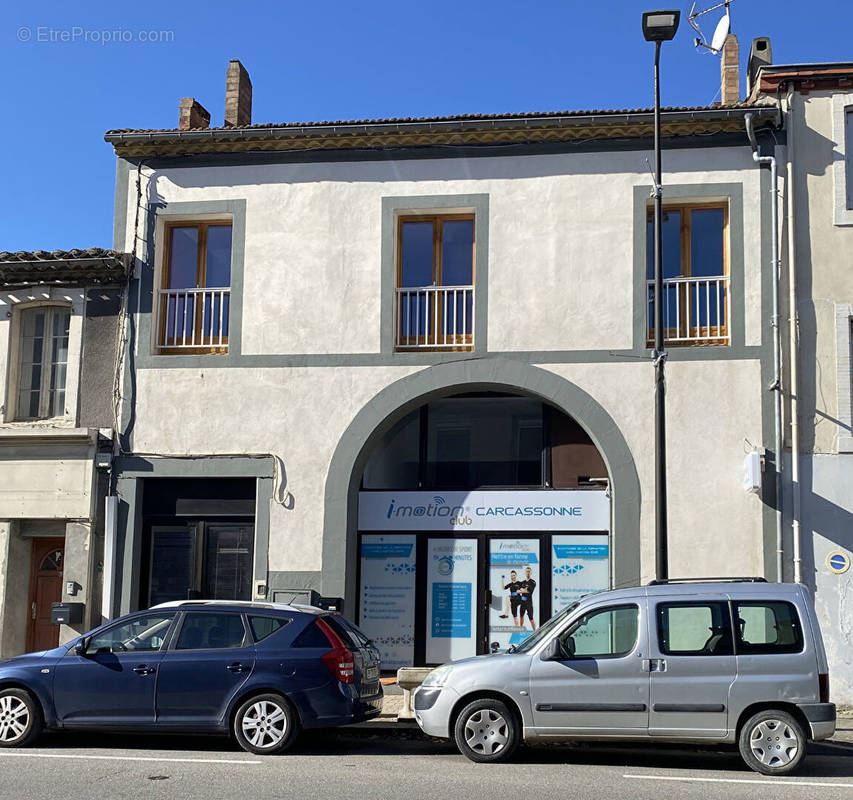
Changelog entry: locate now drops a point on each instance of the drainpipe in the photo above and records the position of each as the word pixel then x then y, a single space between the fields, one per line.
pixel 794 328
pixel 776 386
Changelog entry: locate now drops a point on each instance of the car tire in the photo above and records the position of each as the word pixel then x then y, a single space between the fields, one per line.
pixel 21 721
pixel 487 732
pixel 772 742
pixel 265 724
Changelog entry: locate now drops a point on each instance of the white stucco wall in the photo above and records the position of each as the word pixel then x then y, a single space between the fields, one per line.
pixel 561 278
pixel 561 242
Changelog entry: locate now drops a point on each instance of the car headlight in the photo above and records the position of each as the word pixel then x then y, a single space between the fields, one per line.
pixel 438 677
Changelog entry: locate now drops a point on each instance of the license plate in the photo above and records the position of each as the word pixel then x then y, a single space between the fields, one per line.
pixel 371 673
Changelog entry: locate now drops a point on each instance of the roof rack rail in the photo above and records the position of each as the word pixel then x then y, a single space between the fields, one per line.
pixel 665 581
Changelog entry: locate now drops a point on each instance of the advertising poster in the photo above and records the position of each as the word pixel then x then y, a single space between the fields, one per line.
pixel 451 599
pixel 513 578
pixel 580 564
pixel 388 597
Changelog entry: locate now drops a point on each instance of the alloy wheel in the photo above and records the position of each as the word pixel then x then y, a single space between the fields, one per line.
pixel 264 724
pixel 773 743
pixel 486 732
pixel 14 718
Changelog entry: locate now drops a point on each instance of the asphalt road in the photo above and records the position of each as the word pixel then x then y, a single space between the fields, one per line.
pixel 369 764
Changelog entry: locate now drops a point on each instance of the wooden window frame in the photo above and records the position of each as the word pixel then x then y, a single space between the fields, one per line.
pixel 464 341
pixel 46 365
pixel 716 334
pixel 202 227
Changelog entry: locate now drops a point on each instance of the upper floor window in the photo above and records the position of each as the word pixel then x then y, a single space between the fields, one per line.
pixel 435 282
pixel 43 362
pixel 196 288
pixel 694 247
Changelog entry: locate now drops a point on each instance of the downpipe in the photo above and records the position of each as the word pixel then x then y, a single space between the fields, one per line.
pixel 776 386
pixel 794 329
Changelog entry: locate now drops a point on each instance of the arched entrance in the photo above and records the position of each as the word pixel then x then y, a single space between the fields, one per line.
pixel 463 513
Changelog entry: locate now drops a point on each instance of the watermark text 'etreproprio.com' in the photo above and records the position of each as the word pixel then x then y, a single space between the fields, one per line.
pixel 77 34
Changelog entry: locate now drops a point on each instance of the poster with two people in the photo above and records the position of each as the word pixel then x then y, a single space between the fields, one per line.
pixel 513 579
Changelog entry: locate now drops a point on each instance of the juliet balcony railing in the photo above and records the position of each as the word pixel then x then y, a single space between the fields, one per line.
pixel 194 319
pixel 434 318
pixel 695 310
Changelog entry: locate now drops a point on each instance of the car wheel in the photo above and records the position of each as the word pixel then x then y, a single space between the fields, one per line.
pixel 265 724
pixel 772 742
pixel 486 731
pixel 20 718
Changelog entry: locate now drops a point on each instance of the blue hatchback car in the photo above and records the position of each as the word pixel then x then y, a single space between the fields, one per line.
pixel 259 671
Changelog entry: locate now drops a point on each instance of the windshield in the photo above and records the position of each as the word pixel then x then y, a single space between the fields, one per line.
pixel 543 630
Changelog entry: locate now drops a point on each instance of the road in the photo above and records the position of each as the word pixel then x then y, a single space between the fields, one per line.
pixel 367 764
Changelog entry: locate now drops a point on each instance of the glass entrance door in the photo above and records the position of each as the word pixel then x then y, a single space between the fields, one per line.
pixel 209 560
pixel 514 590
pixel 451 598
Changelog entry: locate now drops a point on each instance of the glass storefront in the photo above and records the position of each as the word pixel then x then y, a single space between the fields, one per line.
pixel 480 515
pixel 436 587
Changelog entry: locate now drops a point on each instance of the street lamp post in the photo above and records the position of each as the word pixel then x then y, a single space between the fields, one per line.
pixel 659 26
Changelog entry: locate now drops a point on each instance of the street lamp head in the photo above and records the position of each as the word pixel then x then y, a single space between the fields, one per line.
pixel 660 26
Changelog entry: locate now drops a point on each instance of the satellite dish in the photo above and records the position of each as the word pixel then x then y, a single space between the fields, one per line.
pixel 720 33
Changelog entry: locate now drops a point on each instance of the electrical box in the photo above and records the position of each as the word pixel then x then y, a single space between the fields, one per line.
pixel 66 613
pixel 752 468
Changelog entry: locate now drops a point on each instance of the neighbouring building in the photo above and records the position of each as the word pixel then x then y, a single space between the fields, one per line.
pixel 405 363
pixel 816 170
pixel 58 358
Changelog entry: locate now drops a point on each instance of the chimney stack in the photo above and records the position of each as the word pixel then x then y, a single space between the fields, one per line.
pixel 730 71
pixel 760 54
pixel 192 114
pixel 238 96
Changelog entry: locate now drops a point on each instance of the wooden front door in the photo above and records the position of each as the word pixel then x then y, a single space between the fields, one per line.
pixel 45 589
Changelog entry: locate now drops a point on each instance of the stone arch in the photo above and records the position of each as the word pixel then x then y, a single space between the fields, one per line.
pixel 340 523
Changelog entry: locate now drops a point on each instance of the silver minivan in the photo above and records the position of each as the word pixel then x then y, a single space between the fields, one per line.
pixel 729 661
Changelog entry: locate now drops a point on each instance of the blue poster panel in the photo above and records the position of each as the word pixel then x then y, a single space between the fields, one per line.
pixel 580 565
pixel 387 595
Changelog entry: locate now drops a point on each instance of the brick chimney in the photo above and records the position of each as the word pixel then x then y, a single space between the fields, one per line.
pixel 238 95
pixel 730 71
pixel 193 114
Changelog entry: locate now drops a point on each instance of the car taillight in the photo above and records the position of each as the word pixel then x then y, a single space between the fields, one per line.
pixel 339 660
pixel 823 683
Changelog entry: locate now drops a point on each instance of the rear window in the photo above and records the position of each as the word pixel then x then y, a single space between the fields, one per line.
pixel 765 627
pixel 202 630
pixel 312 636
pixel 265 626
pixel 346 630
pixel 694 629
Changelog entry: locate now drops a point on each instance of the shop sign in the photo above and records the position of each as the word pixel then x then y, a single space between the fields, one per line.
pixel 531 510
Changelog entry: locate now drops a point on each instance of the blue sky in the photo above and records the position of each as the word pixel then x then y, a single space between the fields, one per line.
pixel 327 61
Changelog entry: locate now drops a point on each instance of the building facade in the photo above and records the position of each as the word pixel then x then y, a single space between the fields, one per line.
pixel 406 363
pixel 58 354
pixel 816 103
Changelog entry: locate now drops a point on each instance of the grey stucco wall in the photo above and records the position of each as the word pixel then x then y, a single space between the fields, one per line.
pixel 14 588
pixel 827 513
pixel 97 371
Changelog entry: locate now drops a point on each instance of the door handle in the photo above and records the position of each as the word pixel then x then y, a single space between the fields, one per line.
pixel 236 667
pixel 33 610
pixel 655 664
pixel 144 669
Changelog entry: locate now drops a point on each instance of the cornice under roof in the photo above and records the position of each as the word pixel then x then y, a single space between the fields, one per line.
pixel 440 131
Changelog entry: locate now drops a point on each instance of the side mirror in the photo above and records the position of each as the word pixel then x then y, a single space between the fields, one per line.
pixel 569 647
pixel 552 651
pixel 80 647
